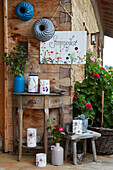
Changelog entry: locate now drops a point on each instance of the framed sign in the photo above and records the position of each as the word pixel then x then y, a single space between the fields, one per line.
pixel 65 47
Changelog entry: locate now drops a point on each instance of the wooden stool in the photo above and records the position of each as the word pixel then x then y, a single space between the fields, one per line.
pixel 75 138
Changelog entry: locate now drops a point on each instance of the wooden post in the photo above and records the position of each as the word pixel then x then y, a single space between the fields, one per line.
pixel 102 108
pixel 5 76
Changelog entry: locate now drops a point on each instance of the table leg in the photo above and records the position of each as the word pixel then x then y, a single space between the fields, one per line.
pixel 46 114
pixel 14 126
pixel 94 150
pixel 74 152
pixel 20 116
pixel 14 130
pixel 85 146
pixel 66 148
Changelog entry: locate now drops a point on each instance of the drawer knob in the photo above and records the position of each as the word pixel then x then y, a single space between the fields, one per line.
pixel 32 101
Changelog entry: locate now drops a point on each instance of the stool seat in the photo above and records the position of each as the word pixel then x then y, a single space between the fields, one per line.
pixel 84 136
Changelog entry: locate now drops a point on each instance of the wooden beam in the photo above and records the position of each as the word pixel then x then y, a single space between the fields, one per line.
pixel 5 75
pixel 109 34
pixel 107 21
pixel 110 18
pixel 108 24
pixel 108 29
pixel 107 14
pixel 107 5
pixel 105 9
pixel 107 1
pixel 97 11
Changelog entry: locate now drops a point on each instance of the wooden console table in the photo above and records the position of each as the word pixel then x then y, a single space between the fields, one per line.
pixel 34 101
pixel 75 138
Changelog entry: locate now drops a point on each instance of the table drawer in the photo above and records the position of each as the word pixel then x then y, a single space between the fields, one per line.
pixel 33 102
pixel 55 101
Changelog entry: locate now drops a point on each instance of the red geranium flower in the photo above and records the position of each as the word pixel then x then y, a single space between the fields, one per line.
pixel 75 96
pixel 54 130
pixel 48 127
pixel 96 75
pixel 103 68
pixel 61 129
pixel 56 125
pixel 88 106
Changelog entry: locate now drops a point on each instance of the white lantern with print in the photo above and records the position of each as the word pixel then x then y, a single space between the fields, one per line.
pixel 31 137
pixel 33 83
pixel 44 86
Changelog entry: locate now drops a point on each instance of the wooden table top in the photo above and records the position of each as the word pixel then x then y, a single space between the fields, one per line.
pixel 38 94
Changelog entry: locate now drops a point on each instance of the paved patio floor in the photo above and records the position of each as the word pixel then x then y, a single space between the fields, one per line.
pixel 9 162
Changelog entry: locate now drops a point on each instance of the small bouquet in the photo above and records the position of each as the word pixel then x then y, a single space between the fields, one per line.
pixel 55 130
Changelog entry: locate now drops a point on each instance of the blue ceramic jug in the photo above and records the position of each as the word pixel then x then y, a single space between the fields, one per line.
pixel 19 84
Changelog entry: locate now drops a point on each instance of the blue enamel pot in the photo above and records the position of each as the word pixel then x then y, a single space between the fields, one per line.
pixel 19 84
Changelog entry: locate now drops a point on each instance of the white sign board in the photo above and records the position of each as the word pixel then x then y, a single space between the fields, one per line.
pixel 65 47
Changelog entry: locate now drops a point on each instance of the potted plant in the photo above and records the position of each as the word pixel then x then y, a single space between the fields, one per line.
pixel 57 156
pixel 97 79
pixel 16 64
